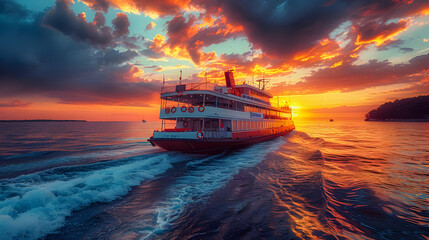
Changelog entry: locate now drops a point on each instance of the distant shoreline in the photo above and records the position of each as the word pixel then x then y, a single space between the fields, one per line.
pixel 43 120
pixel 397 120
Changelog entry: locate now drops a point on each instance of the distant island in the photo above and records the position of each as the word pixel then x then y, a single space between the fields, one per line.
pixel 414 109
pixel 43 120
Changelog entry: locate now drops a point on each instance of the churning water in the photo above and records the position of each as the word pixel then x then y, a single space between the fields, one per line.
pixel 102 180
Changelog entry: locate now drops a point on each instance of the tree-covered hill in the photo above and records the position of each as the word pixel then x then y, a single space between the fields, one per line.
pixel 404 109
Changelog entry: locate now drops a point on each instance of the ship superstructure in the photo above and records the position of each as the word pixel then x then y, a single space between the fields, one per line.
pixel 199 117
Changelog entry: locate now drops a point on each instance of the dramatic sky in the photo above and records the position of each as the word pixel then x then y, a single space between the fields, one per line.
pixel 104 59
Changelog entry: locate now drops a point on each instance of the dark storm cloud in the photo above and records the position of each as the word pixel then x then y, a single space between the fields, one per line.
pixel 121 25
pixel 99 20
pixel 62 18
pixel 282 28
pixel 43 61
pixel 114 57
pixel 285 27
pixel 12 9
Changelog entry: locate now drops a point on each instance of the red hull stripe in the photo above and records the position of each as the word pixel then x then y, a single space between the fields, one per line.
pixel 209 145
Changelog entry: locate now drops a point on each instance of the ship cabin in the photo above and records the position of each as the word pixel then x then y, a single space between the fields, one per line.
pixel 205 110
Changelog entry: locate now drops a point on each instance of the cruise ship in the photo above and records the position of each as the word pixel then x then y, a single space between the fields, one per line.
pixel 205 117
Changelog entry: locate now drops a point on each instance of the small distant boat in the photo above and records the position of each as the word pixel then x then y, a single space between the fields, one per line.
pixel 331 120
pixel 143 120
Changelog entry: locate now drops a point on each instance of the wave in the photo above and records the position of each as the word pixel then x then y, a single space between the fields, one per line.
pixel 34 205
pixel 20 167
pixel 203 177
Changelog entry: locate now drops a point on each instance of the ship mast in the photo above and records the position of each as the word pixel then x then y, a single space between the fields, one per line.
pixel 264 82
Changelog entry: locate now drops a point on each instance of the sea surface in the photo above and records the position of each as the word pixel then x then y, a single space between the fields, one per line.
pixel 103 180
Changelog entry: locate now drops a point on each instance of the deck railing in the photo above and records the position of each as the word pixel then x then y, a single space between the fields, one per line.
pixel 188 87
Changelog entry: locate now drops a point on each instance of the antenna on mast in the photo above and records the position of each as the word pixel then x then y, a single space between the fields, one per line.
pixel 264 82
pixel 163 80
pixel 180 78
pixel 205 76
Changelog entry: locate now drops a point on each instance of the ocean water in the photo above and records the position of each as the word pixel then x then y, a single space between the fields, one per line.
pixel 325 180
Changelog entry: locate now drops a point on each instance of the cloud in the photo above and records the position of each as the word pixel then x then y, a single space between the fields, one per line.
pixel 187 35
pixel 378 32
pixel 15 103
pixel 150 26
pixel 121 25
pixel 284 28
pixel 180 66
pixel 149 7
pixel 111 56
pixel 99 5
pixel 406 49
pixel 349 77
pixel 99 20
pixel 61 18
pixel 45 62
pixel 12 9
pixel 83 61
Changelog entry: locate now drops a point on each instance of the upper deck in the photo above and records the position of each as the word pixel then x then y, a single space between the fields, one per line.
pixel 235 98
pixel 188 87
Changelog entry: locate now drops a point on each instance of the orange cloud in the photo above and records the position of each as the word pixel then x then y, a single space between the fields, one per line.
pixel 336 64
pixel 328 49
pixel 378 33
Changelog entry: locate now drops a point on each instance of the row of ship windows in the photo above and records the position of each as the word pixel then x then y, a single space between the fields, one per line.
pixel 254 125
pixel 214 101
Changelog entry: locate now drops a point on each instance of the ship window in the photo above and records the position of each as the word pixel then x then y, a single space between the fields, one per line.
pixel 240 106
pixel 223 103
pixel 234 125
pixel 215 123
pixel 207 124
pixel 233 104
pixel 210 100
pixel 191 99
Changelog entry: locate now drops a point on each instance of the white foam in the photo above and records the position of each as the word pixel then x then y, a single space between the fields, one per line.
pixel 204 178
pixel 105 154
pixel 34 205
